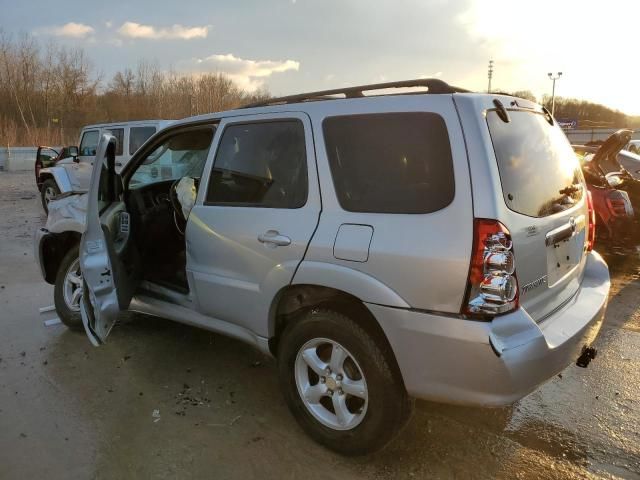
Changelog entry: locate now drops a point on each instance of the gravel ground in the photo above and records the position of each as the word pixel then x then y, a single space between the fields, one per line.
pixel 163 400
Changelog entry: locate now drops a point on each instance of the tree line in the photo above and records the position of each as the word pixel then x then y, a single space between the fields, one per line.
pixel 588 114
pixel 49 92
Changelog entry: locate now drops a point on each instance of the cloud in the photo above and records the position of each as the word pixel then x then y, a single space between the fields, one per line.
pixel 177 31
pixel 249 74
pixel 71 29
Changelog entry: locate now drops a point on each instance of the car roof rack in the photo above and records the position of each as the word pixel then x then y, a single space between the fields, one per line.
pixel 434 85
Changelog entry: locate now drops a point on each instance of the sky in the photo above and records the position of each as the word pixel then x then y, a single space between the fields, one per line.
pixel 292 46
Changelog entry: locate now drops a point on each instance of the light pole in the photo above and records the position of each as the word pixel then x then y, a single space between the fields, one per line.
pixel 490 75
pixel 553 90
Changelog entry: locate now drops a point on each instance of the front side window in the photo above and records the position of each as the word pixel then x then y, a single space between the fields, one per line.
pixel 89 143
pixel 180 155
pixel 139 135
pixel 390 162
pixel 539 172
pixel 119 134
pixel 261 165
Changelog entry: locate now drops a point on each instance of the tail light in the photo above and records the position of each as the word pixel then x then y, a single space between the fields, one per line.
pixel 591 232
pixel 619 204
pixel 492 287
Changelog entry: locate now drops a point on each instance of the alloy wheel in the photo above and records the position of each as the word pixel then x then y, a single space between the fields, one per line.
pixel 331 384
pixel 72 290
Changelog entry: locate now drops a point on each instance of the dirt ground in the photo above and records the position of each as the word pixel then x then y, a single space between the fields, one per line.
pixel 163 400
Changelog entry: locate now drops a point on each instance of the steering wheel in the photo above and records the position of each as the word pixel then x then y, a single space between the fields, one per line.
pixel 178 216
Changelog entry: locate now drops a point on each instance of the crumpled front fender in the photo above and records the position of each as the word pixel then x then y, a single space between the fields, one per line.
pixel 67 214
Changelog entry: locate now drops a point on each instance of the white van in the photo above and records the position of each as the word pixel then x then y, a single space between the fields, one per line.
pixel 71 171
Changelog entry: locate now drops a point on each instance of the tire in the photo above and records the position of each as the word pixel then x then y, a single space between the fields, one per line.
pixel 370 422
pixel 67 277
pixel 49 189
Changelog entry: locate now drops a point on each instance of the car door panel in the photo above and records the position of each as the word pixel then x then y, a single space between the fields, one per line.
pixel 107 258
pixel 239 257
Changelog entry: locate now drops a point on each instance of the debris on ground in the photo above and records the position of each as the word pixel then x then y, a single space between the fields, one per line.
pixel 187 397
pixel 23 353
pixel 50 308
pixel 53 321
pixel 156 415
pixel 126 357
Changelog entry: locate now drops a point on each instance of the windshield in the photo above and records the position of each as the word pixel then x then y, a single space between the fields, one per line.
pixel 539 171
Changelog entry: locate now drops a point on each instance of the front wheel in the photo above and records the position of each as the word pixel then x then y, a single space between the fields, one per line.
pixel 68 289
pixel 48 192
pixel 339 384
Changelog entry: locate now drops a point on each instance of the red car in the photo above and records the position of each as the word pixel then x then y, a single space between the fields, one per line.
pixel 615 193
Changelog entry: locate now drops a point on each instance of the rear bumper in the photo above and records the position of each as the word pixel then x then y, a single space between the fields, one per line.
pixel 495 363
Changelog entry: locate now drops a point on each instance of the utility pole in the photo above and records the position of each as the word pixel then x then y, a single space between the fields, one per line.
pixel 490 75
pixel 553 89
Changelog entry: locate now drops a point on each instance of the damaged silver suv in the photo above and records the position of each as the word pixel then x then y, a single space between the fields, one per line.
pixel 435 244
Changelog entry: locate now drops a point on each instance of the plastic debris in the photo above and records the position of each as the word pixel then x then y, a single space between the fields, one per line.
pixel 53 321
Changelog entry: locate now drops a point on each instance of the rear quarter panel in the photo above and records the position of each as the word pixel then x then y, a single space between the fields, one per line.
pixel 422 258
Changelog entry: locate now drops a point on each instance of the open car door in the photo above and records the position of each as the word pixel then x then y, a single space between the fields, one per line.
pixel 108 259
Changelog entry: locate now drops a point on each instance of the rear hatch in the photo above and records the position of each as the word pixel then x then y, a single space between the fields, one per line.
pixel 546 199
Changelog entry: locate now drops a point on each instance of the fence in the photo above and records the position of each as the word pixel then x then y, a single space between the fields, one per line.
pixel 15 159
pixel 584 135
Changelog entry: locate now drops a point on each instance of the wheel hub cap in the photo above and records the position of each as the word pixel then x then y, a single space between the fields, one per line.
pixel 72 288
pixel 331 384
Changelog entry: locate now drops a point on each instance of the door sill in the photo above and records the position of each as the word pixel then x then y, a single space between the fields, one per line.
pixel 152 305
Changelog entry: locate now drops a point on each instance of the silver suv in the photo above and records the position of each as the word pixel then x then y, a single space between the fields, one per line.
pixel 434 245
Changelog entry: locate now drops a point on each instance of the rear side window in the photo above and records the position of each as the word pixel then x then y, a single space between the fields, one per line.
pixel 260 165
pixel 137 136
pixel 390 162
pixel 89 143
pixel 119 134
pixel 539 172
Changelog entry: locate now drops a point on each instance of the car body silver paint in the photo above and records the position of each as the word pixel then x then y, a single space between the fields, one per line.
pixel 453 360
pixel 153 306
pixel 226 260
pixel 422 258
pixel 488 202
pixel 441 356
pixel 65 215
pixel 95 259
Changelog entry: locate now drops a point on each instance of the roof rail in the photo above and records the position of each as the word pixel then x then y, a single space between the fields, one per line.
pixel 433 84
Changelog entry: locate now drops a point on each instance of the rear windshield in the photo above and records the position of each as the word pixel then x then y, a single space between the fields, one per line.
pixel 390 162
pixel 539 171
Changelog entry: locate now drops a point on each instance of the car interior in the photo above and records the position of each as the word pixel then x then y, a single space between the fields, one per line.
pixel 157 219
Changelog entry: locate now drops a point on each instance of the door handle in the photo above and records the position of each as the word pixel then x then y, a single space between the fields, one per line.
pixel 273 238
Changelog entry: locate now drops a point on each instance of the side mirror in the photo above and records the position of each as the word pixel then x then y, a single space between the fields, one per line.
pixel 73 152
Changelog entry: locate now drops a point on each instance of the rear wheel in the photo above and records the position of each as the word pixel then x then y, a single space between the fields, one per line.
pixel 48 192
pixel 339 385
pixel 68 290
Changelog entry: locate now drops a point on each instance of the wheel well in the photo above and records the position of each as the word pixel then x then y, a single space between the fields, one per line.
pixel 293 300
pixel 44 177
pixel 54 248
